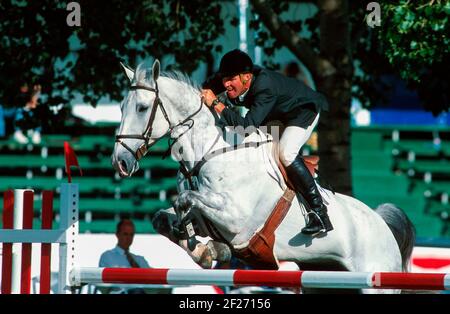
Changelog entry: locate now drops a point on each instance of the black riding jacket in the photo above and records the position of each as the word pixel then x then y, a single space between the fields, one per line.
pixel 273 96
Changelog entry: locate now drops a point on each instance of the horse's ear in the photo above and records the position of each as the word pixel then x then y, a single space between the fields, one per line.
pixel 155 69
pixel 128 71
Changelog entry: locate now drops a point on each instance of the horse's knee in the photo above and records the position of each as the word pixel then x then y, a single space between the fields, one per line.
pixel 183 201
pixel 163 224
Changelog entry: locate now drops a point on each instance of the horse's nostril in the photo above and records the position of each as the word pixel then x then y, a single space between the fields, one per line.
pixel 123 165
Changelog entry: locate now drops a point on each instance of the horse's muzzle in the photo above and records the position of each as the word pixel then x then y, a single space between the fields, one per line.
pixel 122 165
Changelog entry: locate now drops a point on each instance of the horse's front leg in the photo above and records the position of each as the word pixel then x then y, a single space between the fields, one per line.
pixel 165 222
pixel 215 206
pixel 193 206
pixel 187 205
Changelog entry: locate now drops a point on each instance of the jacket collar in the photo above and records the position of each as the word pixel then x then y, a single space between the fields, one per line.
pixel 242 97
pixel 120 250
pixel 240 100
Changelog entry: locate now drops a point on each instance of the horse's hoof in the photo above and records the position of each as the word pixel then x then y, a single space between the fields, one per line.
pixel 206 259
pixel 219 251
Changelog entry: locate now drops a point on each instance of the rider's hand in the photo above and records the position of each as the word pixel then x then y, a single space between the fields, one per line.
pixel 208 97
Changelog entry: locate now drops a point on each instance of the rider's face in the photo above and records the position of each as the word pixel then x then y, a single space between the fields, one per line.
pixel 236 85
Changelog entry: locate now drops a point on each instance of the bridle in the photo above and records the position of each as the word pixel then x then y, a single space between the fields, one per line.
pixel 146 135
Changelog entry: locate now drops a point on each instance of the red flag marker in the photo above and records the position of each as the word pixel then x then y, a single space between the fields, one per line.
pixel 71 160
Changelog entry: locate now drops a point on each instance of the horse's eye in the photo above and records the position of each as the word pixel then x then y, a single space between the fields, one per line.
pixel 142 108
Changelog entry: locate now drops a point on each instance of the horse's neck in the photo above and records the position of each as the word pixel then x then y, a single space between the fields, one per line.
pixel 197 140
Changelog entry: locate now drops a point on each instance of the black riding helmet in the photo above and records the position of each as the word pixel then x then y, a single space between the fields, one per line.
pixel 234 63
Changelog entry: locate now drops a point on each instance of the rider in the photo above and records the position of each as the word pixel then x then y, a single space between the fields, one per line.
pixel 270 96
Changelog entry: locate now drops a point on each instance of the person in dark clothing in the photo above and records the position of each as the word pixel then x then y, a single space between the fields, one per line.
pixel 271 96
pixel 26 117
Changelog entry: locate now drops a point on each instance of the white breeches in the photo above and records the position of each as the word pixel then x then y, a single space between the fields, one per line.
pixel 292 140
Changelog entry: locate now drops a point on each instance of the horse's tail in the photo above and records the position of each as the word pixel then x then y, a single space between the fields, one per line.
pixel 402 228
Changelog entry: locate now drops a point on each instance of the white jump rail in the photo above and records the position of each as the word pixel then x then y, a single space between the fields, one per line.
pixel 272 278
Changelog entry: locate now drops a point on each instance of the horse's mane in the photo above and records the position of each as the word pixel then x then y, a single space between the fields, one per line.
pixel 144 76
pixel 181 77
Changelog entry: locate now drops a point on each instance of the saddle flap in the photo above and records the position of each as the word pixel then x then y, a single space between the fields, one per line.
pixel 312 163
pixel 259 251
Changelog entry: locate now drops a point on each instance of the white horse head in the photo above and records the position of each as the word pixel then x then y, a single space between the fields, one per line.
pixel 231 195
pixel 148 114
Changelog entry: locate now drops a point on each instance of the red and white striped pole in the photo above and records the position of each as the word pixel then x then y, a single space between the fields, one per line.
pixel 272 278
pixel 18 217
pixel 25 278
pixel 17 230
pixel 46 248
pixel 7 260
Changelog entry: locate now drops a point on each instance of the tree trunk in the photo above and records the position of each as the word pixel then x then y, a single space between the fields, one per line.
pixel 334 127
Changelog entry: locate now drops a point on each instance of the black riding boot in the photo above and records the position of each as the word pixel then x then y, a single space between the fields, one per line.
pixel 303 182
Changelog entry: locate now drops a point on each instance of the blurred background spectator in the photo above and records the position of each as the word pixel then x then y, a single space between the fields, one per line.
pixel 27 123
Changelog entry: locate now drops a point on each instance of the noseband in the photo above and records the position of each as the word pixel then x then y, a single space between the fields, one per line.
pixel 147 134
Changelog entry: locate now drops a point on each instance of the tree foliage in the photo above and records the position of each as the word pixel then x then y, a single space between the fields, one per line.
pixel 416 43
pixel 415 37
pixel 37 45
pixel 411 43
